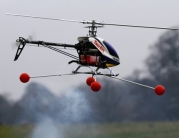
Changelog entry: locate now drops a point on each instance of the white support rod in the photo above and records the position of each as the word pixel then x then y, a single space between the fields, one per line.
pixel 52 75
pixel 132 82
pixel 97 74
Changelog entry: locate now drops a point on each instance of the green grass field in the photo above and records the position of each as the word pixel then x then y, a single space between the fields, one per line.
pixel 115 130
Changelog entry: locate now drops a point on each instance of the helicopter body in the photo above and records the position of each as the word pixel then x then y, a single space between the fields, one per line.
pixel 93 52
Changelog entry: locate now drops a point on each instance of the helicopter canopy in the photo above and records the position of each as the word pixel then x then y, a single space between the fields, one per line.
pixel 111 50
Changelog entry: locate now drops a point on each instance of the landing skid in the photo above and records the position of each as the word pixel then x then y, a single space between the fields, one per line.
pixel 91 81
pixel 95 72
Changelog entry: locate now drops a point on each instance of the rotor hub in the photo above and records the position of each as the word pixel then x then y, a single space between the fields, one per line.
pixel 93 27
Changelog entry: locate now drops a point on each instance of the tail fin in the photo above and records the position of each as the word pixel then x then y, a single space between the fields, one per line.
pixel 22 43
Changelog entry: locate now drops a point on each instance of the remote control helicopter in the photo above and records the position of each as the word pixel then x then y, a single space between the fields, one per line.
pixel 92 52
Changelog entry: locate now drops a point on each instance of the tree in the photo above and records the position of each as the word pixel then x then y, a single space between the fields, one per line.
pixel 163 63
pixel 163 66
pixel 5 108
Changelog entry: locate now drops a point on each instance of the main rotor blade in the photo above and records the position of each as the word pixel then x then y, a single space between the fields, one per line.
pixel 138 26
pixel 94 22
pixel 45 18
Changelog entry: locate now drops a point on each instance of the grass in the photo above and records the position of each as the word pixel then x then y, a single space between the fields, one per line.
pixel 15 131
pixel 114 130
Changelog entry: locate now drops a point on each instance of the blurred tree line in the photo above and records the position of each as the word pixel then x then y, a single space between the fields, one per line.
pixel 116 102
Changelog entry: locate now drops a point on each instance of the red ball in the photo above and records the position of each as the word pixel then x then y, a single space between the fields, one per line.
pixel 159 90
pixel 89 80
pixel 24 77
pixel 95 86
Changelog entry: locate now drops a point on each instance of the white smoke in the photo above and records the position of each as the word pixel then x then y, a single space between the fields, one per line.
pixel 75 110
pixel 46 129
pixel 76 107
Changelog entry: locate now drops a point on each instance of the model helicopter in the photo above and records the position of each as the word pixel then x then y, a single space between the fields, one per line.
pixel 93 52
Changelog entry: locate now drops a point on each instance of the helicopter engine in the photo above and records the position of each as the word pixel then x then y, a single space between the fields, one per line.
pixel 89 55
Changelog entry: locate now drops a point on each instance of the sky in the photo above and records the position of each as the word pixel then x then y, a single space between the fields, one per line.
pixel 132 44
